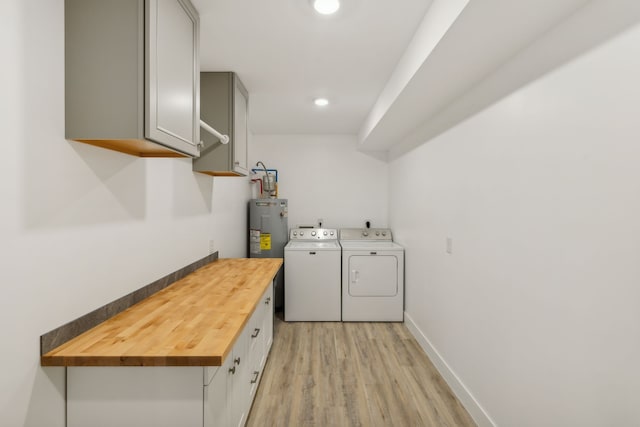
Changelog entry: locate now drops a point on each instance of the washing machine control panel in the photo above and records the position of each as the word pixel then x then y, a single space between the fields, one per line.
pixel 374 234
pixel 313 234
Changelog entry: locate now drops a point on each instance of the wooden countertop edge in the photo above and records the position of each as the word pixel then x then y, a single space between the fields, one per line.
pixel 53 359
pixel 87 361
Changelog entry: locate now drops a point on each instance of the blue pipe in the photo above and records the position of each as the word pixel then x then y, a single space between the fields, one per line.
pixel 268 170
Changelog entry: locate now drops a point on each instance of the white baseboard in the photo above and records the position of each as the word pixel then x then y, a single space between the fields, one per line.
pixel 457 387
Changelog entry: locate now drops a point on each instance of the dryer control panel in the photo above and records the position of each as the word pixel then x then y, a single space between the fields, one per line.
pixel 313 234
pixel 373 234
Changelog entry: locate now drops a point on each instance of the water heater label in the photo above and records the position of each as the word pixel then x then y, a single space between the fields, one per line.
pixel 265 242
pixel 254 241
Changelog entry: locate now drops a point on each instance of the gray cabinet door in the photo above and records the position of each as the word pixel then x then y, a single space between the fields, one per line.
pixel 241 130
pixel 224 106
pixel 132 76
pixel 172 75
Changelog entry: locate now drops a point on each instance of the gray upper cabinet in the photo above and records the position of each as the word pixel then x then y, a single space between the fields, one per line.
pixel 132 79
pixel 224 103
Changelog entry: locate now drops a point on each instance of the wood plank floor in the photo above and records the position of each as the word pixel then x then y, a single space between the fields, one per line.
pixel 351 374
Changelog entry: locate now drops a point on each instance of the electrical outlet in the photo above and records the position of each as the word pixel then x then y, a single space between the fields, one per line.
pixel 449 245
pixel 212 247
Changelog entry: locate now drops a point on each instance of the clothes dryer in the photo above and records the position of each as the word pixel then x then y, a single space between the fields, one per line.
pixel 372 276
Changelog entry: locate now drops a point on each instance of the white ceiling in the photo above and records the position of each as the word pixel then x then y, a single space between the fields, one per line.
pixel 287 55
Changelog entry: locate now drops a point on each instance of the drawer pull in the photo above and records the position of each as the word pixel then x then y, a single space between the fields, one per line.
pixel 256 332
pixel 268 300
pixel 236 361
pixel 232 370
pixel 256 374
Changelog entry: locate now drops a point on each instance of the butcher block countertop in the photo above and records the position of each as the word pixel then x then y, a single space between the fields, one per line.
pixel 193 322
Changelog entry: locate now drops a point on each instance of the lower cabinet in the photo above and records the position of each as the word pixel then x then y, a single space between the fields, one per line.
pixel 217 394
pixel 240 375
pixel 167 396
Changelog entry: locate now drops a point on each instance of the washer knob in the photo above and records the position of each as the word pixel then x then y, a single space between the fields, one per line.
pixel 313 233
pixel 365 233
pixel 295 233
pixel 377 233
pixel 332 233
pixel 384 233
pixel 325 233
pixel 302 233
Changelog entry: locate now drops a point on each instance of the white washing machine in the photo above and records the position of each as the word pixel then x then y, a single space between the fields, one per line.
pixel 312 275
pixel 372 276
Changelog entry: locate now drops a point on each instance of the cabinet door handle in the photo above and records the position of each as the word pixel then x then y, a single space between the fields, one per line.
pixel 256 374
pixel 236 361
pixel 256 332
pixel 232 370
pixel 312 253
pixel 267 301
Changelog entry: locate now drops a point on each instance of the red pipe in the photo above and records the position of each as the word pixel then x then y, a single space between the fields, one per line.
pixel 260 181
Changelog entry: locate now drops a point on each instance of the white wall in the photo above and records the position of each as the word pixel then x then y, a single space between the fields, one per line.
pixel 229 210
pixel 537 310
pixel 80 225
pixel 324 176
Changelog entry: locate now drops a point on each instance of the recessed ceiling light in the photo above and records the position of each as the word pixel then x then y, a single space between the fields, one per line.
pixel 321 102
pixel 326 7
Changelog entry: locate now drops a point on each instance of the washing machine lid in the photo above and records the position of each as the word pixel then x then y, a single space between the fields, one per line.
pixel 313 245
pixel 359 245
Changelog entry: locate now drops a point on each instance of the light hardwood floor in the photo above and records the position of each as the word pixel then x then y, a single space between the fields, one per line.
pixel 351 374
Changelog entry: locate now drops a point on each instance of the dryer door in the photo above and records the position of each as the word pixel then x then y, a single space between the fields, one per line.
pixel 373 275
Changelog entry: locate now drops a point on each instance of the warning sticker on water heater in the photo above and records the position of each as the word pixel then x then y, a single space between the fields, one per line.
pixel 254 241
pixel 265 242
